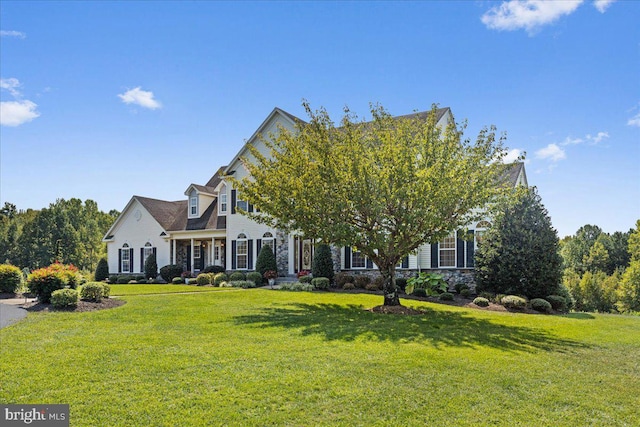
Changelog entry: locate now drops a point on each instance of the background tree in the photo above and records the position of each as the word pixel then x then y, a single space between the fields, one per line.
pixel 266 260
pixel 519 254
pixel 629 290
pixel 386 186
pixel 322 265
pixel 576 249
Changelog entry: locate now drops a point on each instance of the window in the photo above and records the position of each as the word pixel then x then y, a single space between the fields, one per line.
pixel 147 250
pixel 125 259
pixel 481 228
pixel 447 249
pixel 241 204
pixel 358 259
pixel 268 240
pixel 196 251
pixel 193 206
pixel 223 199
pixel 242 252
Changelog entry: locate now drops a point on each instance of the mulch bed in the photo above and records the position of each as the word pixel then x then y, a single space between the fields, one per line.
pixel 83 306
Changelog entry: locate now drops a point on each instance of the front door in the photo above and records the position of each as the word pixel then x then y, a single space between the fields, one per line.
pixel 218 253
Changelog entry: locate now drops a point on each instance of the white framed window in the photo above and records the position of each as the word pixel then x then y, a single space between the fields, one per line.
pixel 241 204
pixel 196 251
pixel 147 250
pixel 358 259
pixel 242 252
pixel 223 199
pixel 268 240
pixel 125 259
pixel 447 248
pixel 193 206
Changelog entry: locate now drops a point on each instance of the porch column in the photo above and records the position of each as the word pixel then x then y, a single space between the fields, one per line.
pixel 173 255
pixel 212 261
pixel 192 265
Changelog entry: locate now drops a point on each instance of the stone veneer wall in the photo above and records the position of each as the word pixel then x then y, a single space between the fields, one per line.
pixel 282 253
pixel 452 277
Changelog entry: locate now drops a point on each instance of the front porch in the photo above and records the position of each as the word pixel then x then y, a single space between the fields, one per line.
pixel 194 254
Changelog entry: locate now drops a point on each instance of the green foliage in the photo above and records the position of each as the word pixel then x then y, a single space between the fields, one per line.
pixel 598 258
pixel 348 286
pixel 266 260
pixel 106 290
pixel 350 184
pixel 343 278
pixel 378 282
pixel 215 269
pixel 171 271
pixel 465 292
pixel 362 280
pixel 305 279
pixel 204 279
pixel 481 302
pixel 42 282
pixel 446 296
pixel 629 291
pixel 255 277
pixel 191 281
pixel 177 281
pixel 64 298
pixel 634 243
pixel 151 267
pixel 10 278
pixel 514 302
pixel 123 280
pixel 236 276
pixel 102 270
pixel 219 278
pixel 519 254
pixel 541 305
pixel 432 283
pixel 322 265
pixel 401 283
pixel 558 303
pixel 320 283
pixel 419 292
pixel 372 287
pixel 575 249
pixel 245 284
pixel 92 292
pixel 296 286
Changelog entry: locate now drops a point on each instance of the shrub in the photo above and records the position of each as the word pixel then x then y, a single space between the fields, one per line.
pixel 432 283
pixel 151 267
pixel 488 295
pixel 343 278
pixel 465 292
pixel 460 286
pixel 541 305
pixel 113 278
pixel 305 279
pixel 255 277
pixel 514 302
pixel 322 265
pixel 10 278
pixel 64 298
pixel 92 292
pixel 320 282
pixel 203 279
pixel 419 292
pixel 168 272
pixel 348 286
pixel 142 282
pixel 378 282
pixel 177 281
pixel 372 287
pixel 191 281
pixel 445 296
pixel 132 282
pixel 302 273
pixel 122 280
pixel 102 270
pixel 106 290
pixel 266 261
pixel 44 281
pixel 242 284
pixel 401 283
pixel 219 278
pixel 498 298
pixel 481 302
pixel 361 281
pixel 237 275
pixel 558 303
pixel 215 269
pixel 297 286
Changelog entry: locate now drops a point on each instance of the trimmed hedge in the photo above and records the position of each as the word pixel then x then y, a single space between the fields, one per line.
pixel 348 286
pixel 220 278
pixel 255 277
pixel 514 302
pixel 343 278
pixel 305 279
pixel 215 269
pixel 541 305
pixel 64 298
pixel 169 272
pixel 445 296
pixel 43 281
pixel 245 284
pixel 204 279
pixel 362 281
pixel 92 292
pixel 558 303
pixel 177 281
pixel 10 278
pixel 237 276
pixel 320 282
pixel 481 302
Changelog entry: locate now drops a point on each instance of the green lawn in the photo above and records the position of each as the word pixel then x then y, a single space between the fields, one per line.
pixel 127 290
pixel 260 357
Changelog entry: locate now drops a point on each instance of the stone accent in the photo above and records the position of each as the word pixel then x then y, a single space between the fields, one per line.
pixel 282 253
pixel 453 276
pixel 335 257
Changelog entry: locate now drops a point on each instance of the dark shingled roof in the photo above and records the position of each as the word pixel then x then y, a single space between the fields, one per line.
pixel 216 178
pixel 511 173
pixel 172 216
pixel 424 114
pixel 162 211
pixel 204 189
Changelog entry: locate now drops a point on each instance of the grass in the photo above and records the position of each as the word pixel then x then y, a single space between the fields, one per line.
pixel 154 289
pixel 260 357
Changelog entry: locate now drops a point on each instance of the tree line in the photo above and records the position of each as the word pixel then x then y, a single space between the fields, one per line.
pixel 68 231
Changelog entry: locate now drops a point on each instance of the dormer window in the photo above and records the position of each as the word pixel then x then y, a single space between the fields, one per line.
pixel 193 206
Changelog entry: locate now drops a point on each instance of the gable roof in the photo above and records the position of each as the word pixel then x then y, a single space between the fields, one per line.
pixel 162 211
pixel 207 221
pixel 216 178
pixel 512 172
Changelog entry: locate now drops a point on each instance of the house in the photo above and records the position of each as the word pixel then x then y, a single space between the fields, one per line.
pixel 205 228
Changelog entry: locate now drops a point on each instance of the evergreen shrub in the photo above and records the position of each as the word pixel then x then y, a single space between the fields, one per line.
pixel 255 277
pixel 102 270
pixel 266 261
pixel 514 302
pixel 219 278
pixel 361 281
pixel 322 265
pixel 320 282
pixel 236 276
pixel 169 272
pixel 150 267
pixel 343 278
pixel 64 298
pixel 10 278
pixel 481 302
pixel 541 305
pixel 92 291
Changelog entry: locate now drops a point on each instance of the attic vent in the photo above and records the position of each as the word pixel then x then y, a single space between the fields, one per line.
pixel 163 234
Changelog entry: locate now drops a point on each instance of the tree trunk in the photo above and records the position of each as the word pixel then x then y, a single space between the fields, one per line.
pixel 390 290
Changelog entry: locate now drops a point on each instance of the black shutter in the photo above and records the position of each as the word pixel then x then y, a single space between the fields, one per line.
pixel 258 246
pixel 250 208
pixel 250 254
pixel 119 260
pixel 405 262
pixel 233 202
pixel 131 260
pixel 434 255
pixel 347 257
pixel 369 263
pixel 155 253
pixel 189 258
pixel 470 250
pixel 233 254
pixel 142 260
pixel 459 250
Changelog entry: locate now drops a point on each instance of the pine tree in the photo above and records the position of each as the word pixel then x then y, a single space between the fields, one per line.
pixel 102 270
pixel 322 263
pixel 151 267
pixel 266 260
pixel 519 254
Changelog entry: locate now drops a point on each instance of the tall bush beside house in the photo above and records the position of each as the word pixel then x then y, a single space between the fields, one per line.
pixel 102 270
pixel 150 267
pixel 10 278
pixel 322 265
pixel 266 260
pixel 44 281
pixel 171 271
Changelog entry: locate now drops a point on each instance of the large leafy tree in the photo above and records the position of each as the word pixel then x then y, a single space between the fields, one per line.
pixel 519 254
pixel 385 186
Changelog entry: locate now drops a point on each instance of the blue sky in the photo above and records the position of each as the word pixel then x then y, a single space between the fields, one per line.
pixel 104 100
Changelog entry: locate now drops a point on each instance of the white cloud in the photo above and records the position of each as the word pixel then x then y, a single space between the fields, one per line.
pixel 15 113
pixel 11 85
pixel 512 155
pixel 551 152
pixel 598 138
pixel 528 14
pixel 602 5
pixel 572 141
pixel 634 121
pixel 18 34
pixel 140 97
